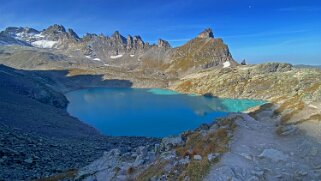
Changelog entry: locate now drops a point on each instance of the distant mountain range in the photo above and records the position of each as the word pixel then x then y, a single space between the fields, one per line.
pixel 308 66
pixel 202 52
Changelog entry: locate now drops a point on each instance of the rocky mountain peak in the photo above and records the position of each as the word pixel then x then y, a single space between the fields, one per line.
pixel 137 38
pixel 135 42
pixel 55 29
pixel 163 44
pixel 117 36
pixel 31 30
pixel 13 31
pixel 73 34
pixel 90 35
pixel 18 35
pixel 207 33
pixel 139 42
pixel 129 42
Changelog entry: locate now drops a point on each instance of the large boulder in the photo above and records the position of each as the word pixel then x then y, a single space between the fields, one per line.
pixel 169 142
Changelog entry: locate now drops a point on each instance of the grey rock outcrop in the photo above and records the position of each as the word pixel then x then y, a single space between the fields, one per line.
pixel 273 67
pixel 207 33
pixel 169 142
pixel 8 40
pixel 274 155
pixel 135 43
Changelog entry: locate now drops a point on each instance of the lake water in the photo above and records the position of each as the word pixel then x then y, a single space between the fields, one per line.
pixel 148 112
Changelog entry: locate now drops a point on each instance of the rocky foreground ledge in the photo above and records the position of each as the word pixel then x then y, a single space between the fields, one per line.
pixel 187 156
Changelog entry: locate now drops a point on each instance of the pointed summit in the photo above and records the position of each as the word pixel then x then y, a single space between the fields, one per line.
pixel 207 33
pixel 73 34
pixel 117 36
pixel 163 43
pixel 129 42
pixel 55 29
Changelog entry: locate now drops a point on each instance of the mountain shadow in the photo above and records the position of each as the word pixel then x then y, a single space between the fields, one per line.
pixel 38 137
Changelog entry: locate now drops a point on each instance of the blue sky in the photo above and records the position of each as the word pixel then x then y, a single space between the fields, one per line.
pixel 255 30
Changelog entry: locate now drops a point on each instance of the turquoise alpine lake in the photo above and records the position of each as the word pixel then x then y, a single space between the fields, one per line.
pixel 148 112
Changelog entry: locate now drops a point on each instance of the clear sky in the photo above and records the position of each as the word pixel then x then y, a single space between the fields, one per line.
pixel 255 30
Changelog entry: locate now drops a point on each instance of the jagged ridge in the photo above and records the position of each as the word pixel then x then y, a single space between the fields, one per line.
pixel 202 52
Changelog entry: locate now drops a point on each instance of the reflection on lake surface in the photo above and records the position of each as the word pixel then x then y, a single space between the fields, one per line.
pixel 148 112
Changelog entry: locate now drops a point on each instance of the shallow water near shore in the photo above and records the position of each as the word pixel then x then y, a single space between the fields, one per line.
pixel 148 112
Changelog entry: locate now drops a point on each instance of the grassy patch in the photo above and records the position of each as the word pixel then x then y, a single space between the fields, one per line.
pixel 315 117
pixel 199 142
pixel 313 88
pixel 185 86
pixel 290 108
pixel 68 175
pixel 76 71
pixel 278 99
pixel 196 170
pixel 154 170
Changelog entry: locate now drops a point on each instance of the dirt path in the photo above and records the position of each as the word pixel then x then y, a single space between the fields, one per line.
pixel 259 153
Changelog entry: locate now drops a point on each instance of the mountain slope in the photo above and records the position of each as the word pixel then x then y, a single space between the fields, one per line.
pixel 202 52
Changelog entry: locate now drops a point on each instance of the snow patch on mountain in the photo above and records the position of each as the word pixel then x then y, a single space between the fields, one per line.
pixel 39 35
pixel 115 56
pixel 132 55
pixel 97 59
pixel 44 43
pixel 226 64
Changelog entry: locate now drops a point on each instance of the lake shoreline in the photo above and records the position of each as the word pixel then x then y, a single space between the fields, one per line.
pixel 171 113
